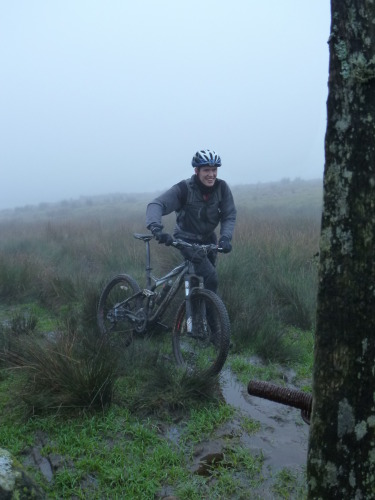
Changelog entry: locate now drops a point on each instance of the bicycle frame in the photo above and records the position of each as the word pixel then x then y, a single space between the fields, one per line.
pixel 201 329
pixel 145 315
pixel 185 271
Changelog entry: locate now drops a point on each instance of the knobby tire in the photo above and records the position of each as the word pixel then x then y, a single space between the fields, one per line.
pixel 205 350
pixel 117 290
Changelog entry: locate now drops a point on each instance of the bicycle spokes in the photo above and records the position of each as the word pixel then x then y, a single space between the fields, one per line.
pixel 119 308
pixel 201 340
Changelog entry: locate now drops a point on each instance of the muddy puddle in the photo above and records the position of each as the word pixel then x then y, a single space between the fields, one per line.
pixel 283 436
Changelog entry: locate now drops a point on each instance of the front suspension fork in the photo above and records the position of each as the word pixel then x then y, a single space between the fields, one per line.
pixel 189 279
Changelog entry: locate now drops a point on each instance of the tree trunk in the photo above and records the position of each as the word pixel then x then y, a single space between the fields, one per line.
pixel 341 456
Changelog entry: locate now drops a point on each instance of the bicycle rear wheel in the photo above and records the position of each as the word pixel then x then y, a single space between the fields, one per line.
pixel 113 306
pixel 204 349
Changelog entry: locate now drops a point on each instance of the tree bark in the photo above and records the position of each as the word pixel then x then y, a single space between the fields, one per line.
pixel 341 455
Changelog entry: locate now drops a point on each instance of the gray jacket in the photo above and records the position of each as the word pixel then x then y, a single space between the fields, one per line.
pixel 197 215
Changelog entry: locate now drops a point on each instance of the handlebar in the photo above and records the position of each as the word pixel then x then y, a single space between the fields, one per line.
pixel 211 246
pixel 181 243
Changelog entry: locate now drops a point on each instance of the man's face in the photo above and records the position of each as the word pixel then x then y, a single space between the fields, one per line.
pixel 207 175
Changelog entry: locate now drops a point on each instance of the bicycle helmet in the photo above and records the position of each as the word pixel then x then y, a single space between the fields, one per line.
pixel 206 157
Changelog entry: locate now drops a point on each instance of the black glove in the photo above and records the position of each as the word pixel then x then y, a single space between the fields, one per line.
pixel 163 238
pixel 225 244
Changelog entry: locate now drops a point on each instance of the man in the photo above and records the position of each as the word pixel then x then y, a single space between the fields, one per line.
pixel 201 203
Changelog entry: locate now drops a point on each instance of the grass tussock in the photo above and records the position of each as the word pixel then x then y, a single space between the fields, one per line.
pixel 62 373
pixel 167 390
pixel 75 370
pixel 21 324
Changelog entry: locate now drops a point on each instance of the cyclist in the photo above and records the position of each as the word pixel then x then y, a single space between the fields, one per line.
pixel 201 203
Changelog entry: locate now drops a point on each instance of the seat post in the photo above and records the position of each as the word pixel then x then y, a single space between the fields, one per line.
pixel 148 264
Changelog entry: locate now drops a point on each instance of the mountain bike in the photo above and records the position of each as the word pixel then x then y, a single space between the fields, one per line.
pixel 201 330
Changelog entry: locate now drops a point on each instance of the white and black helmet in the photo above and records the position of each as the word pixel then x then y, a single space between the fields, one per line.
pixel 206 157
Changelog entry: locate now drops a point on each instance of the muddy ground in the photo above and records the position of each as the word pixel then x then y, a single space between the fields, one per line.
pixel 284 434
pixel 281 440
pixel 283 437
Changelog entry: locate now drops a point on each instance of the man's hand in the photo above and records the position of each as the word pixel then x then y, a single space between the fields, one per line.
pixel 161 237
pixel 225 244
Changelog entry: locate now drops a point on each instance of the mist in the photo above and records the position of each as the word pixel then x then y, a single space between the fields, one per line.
pixel 104 97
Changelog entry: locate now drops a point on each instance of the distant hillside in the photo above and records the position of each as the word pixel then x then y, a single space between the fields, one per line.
pixel 285 196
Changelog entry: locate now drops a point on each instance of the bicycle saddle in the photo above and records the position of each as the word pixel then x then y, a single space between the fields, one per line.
pixel 144 237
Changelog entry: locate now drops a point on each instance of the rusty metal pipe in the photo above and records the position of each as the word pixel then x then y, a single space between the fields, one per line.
pixel 283 395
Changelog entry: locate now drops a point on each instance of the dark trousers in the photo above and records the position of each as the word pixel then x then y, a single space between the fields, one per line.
pixel 207 269
pixel 205 266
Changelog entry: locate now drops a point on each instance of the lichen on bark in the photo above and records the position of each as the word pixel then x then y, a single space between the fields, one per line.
pixel 342 437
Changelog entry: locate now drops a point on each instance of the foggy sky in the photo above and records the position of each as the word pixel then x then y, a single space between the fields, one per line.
pixel 112 96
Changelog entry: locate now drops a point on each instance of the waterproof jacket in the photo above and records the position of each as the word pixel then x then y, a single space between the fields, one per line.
pixel 197 213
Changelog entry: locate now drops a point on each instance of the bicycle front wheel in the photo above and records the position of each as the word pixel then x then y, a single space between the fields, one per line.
pixel 115 304
pixel 202 347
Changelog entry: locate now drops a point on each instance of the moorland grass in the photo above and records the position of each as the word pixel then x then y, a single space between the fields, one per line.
pixel 57 258
pixel 268 282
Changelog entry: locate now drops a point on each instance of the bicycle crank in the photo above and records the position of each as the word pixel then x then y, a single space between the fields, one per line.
pixel 140 321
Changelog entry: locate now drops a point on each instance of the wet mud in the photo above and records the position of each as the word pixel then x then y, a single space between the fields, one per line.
pixel 281 440
pixel 283 436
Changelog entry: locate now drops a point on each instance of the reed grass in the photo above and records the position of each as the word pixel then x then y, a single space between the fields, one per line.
pixel 269 281
pixel 61 255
